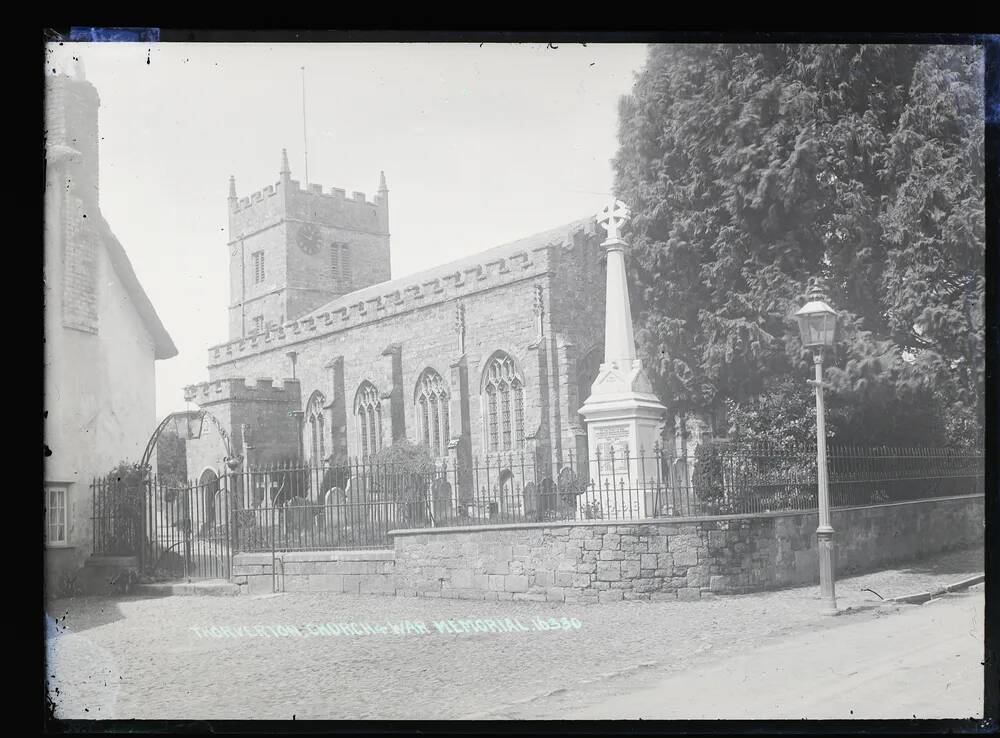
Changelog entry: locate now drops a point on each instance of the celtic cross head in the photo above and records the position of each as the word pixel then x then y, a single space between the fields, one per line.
pixel 612 216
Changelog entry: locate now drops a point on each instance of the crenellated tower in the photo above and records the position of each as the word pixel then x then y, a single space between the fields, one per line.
pixel 293 249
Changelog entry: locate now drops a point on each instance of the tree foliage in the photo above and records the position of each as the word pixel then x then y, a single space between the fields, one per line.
pixel 750 168
pixel 171 458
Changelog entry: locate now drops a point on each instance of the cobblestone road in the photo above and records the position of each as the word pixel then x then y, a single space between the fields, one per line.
pixel 146 658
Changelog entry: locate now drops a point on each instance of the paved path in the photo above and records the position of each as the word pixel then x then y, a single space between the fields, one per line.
pixel 921 662
pixel 142 657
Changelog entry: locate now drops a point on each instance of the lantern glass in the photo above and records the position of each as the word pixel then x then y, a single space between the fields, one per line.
pixel 188 424
pixel 817 325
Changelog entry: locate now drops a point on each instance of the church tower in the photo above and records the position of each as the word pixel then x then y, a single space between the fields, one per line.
pixel 292 250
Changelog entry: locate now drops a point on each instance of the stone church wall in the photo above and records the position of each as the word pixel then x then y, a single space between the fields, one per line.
pixel 663 559
pixel 536 305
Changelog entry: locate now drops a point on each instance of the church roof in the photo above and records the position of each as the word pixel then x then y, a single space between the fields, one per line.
pixel 163 343
pixel 554 235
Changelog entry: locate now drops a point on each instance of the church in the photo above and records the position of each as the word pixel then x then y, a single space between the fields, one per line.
pixel 329 358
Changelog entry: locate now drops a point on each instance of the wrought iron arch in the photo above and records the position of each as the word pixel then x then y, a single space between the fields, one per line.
pixel 231 461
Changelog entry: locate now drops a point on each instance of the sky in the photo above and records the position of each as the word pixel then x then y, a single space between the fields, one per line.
pixel 480 145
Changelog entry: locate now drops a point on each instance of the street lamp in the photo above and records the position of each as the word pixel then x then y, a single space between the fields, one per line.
pixel 818 328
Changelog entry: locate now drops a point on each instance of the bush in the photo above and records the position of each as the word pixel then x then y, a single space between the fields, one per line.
pixel 405 469
pixel 709 478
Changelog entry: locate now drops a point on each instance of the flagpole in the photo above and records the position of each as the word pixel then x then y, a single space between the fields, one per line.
pixel 305 142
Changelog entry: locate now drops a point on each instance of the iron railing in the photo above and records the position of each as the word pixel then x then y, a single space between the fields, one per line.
pixel 356 504
pixel 195 529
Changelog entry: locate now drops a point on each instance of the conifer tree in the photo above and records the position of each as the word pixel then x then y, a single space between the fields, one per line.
pixel 752 167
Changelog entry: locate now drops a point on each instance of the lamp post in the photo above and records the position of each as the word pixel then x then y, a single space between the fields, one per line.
pixel 818 328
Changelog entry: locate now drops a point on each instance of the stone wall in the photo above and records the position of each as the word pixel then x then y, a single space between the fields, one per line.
pixel 351 572
pixel 673 559
pixel 661 559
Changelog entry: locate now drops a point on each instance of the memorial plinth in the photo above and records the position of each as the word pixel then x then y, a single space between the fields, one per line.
pixel 623 415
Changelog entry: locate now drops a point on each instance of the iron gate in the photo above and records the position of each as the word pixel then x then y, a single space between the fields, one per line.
pixel 187 528
pixel 174 530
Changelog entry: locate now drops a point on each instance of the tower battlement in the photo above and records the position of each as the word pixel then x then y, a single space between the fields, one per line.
pixel 448 282
pixel 295 246
pixel 242 390
pixel 294 188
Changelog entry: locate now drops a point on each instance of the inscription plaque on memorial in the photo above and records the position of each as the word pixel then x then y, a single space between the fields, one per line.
pixel 612 438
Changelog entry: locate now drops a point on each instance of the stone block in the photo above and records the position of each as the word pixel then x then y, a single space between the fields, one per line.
pixel 515 583
pixel 555 594
pixel 689 593
pixel 635 595
pixel 377 584
pixel 564 578
pixel 663 596
pixel 529 596
pixel 630 569
pixel 608 571
pixel 352 583
pixel 581 580
pixel 496 582
pixel 609 596
pixel 497 567
pixel 327 583
pixel 608 554
pixel 685 556
pixel 461 578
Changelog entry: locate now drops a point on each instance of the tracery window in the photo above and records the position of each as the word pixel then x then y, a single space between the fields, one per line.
pixel 503 397
pixel 433 427
pixel 316 420
pixel 368 409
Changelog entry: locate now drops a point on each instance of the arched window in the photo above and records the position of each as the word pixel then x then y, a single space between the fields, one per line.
pixel 431 404
pixel 368 408
pixel 503 404
pixel 316 421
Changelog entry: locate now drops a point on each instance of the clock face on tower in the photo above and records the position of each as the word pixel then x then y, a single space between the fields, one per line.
pixel 308 238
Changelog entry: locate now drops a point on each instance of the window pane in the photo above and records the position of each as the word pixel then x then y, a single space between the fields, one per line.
pixel 446 434
pixel 435 426
pixel 55 517
pixel 505 409
pixel 518 414
pixel 492 421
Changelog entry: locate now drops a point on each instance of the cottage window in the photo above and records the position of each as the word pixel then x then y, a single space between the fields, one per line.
pixel 56 533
